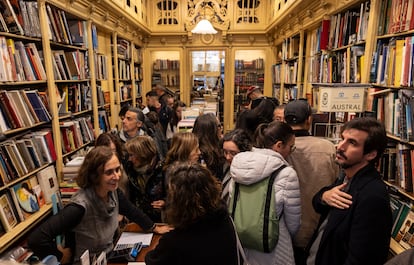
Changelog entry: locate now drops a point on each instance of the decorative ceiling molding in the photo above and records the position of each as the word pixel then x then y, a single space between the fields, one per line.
pixel 213 11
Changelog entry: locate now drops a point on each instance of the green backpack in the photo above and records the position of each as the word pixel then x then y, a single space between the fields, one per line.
pixel 253 210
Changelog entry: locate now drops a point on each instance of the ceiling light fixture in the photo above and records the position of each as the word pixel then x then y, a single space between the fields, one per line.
pixel 204 27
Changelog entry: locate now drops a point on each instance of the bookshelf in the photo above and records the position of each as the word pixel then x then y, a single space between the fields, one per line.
pixel 287 72
pixel 393 102
pixel 166 69
pixel 249 71
pixel 26 121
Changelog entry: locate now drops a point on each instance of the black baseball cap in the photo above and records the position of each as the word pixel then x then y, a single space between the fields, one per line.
pixel 297 111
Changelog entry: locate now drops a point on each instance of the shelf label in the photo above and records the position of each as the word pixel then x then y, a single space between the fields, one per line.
pixel 342 99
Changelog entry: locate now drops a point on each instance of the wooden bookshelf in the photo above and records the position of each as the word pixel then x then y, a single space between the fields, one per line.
pixel 9 238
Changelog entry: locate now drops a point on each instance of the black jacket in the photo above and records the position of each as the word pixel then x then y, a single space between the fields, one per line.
pixel 210 241
pixel 360 234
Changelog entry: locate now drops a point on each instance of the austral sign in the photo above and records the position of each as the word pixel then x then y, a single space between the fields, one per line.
pixel 342 99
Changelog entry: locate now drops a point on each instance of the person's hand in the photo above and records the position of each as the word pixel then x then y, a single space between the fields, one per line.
pixel 162 229
pixel 335 197
pixel 67 254
pixel 158 204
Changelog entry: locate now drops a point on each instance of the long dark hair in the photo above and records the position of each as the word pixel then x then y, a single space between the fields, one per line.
pixel 193 192
pixel 205 128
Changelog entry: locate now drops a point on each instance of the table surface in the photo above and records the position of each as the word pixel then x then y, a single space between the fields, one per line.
pixel 132 227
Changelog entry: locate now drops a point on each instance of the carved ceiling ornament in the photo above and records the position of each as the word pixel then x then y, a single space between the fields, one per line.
pixel 214 11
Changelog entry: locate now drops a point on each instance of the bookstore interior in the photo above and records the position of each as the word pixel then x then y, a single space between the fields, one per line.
pixel 68 67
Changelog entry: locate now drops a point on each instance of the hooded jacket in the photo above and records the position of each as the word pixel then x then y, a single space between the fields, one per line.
pixel 253 166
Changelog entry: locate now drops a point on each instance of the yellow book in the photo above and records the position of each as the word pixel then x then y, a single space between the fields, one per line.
pixel 399 48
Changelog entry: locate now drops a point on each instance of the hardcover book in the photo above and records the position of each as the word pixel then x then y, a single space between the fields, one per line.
pixel 48 182
pixel 8 219
pixel 26 198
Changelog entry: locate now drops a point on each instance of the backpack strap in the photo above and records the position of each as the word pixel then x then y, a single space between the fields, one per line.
pixel 267 208
pixel 235 196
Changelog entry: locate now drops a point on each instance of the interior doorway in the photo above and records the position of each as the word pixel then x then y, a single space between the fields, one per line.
pixel 207 79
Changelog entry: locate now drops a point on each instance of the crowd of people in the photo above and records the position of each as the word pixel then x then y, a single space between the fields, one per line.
pixel 331 204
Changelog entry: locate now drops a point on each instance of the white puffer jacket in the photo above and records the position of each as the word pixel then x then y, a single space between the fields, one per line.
pixel 251 167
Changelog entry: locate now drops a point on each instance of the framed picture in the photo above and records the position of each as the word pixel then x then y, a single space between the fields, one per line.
pixel 7 216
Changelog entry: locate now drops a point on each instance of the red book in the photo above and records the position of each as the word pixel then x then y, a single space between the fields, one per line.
pixel 33 63
pixel 51 145
pixel 9 110
pixel 324 37
pixel 48 138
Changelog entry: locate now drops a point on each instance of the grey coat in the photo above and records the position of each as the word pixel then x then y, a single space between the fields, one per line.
pixel 250 167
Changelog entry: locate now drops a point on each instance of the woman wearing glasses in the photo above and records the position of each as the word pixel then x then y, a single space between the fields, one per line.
pixel 273 143
pixel 233 143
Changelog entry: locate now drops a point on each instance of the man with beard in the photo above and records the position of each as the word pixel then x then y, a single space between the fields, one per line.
pixel 356 220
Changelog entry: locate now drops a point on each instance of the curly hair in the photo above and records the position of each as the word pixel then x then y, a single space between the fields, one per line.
pixel 89 174
pixel 182 144
pixel 193 192
pixel 240 137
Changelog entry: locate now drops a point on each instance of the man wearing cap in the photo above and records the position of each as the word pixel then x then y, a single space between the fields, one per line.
pixel 314 162
pixel 132 124
pixel 256 96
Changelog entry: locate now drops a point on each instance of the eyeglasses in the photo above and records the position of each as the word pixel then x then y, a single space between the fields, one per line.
pixel 230 153
pixel 292 148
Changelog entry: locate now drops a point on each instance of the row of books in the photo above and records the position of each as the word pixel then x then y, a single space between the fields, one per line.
pixel 71 168
pixel 348 27
pixel 166 64
pixel 20 17
pixel 101 67
pixel 104 125
pixel 396 110
pixel 19 157
pixel 277 73
pixel 403 222
pixel 291 72
pixel 395 16
pixel 75 98
pixel 21 108
pixel 257 64
pixel 125 92
pixel 397 165
pixel 170 79
pixel 76 133
pixel 103 96
pixel 123 49
pixel 248 79
pixel 65 29
pixel 393 62
pixel 20 61
pixel 69 65
pixel 124 70
pixel 27 197
pixel 290 49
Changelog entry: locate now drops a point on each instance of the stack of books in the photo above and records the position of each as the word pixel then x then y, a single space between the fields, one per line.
pixel 71 168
